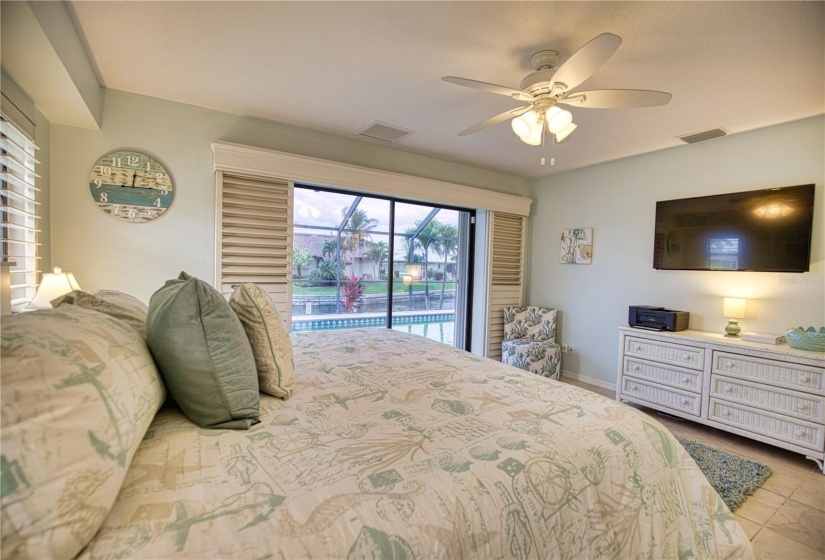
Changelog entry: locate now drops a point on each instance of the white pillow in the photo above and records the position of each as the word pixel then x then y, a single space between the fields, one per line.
pixel 269 339
pixel 80 389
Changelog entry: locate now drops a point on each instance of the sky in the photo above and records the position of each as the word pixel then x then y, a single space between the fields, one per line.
pixel 324 209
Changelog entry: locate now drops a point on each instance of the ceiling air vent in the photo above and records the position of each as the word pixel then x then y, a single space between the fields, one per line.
pixel 703 136
pixel 386 132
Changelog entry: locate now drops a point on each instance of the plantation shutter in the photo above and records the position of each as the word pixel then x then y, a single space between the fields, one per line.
pixel 19 212
pixel 506 274
pixel 255 225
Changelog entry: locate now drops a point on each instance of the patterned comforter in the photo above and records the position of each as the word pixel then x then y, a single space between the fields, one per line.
pixel 395 446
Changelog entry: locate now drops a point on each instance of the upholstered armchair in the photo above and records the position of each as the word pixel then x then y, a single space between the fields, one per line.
pixel 530 340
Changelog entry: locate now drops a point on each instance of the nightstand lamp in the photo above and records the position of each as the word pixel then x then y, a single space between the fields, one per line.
pixel 732 309
pixel 53 285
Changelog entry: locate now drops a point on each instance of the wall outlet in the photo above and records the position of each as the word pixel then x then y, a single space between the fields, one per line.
pixel 565 348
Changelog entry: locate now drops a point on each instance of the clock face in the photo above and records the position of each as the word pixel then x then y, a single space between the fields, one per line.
pixel 131 186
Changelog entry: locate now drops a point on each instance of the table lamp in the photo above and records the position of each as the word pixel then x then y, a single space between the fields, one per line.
pixel 732 309
pixel 53 285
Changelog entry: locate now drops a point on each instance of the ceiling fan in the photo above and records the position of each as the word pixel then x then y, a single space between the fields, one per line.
pixel 547 87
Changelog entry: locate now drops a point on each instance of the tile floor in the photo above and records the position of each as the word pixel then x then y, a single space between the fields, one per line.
pixel 785 517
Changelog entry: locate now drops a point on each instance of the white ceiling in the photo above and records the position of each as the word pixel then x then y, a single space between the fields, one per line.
pixel 337 66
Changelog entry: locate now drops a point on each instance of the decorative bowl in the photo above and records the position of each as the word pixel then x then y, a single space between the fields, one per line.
pixel 806 339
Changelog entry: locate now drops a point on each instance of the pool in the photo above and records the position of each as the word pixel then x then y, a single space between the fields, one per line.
pixel 435 326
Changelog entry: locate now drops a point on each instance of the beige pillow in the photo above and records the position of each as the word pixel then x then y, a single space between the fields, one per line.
pixel 127 308
pixel 80 389
pixel 269 339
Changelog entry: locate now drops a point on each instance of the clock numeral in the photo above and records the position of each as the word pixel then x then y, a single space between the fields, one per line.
pixel 116 162
pixel 148 166
pixel 132 160
pixel 98 183
pixel 157 203
pixel 104 197
pixel 132 213
pixel 164 192
pixel 147 213
pixel 117 209
pixel 106 170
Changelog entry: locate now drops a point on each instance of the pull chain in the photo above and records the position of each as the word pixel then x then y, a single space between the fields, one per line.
pixel 543 141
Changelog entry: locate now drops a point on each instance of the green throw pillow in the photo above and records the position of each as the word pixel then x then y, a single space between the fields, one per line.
pixel 203 354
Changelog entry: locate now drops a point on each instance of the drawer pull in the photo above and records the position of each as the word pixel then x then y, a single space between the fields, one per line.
pixel 685 401
pixel 636 367
pixel 805 379
pixel 726 413
pixel 686 379
pixel 727 389
pixel 802 406
pixel 634 388
pixel 638 347
pixel 800 433
pixel 687 357
pixel 729 364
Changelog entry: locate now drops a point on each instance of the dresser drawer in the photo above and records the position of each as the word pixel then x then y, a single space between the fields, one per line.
pixel 676 354
pixel 673 376
pixel 794 403
pixel 774 372
pixel 783 428
pixel 665 396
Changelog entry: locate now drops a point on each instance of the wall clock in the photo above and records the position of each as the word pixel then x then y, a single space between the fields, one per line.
pixel 131 186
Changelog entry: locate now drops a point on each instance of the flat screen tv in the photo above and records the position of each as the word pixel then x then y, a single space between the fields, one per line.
pixel 766 231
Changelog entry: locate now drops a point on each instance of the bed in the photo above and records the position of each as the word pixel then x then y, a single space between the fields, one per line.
pixel 395 446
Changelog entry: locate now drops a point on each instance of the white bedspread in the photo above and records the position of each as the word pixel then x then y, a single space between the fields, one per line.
pixel 395 446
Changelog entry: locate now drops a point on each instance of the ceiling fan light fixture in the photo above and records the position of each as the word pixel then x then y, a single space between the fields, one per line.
pixel 561 136
pixel 524 124
pixel 534 138
pixel 560 121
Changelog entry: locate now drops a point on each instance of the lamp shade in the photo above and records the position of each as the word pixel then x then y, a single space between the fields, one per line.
pixel 53 285
pixel 525 124
pixel 559 121
pixel 560 136
pixel 734 308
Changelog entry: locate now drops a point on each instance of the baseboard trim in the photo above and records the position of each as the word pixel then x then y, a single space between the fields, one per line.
pixel 590 380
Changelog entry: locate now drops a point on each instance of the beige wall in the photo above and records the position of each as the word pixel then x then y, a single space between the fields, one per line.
pixel 618 199
pixel 137 258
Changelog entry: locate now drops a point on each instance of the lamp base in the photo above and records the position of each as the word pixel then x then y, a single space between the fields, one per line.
pixel 732 330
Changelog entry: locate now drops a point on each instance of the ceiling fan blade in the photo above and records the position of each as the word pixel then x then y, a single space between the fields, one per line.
pixel 511 114
pixel 587 60
pixel 490 88
pixel 617 98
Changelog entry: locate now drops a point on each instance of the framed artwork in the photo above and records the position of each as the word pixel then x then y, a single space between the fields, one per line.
pixel 577 246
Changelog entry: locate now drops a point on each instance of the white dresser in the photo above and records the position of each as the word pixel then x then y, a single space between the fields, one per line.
pixel 771 393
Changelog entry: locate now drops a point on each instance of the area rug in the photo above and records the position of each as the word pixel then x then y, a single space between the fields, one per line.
pixel 733 477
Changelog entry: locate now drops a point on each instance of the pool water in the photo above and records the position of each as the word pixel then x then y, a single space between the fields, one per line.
pixel 440 331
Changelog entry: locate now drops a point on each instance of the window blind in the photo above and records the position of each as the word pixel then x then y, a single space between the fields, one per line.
pixel 255 245
pixel 506 274
pixel 19 211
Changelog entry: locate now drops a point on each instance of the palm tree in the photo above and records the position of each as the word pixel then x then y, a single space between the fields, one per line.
pixel 329 248
pixel 447 247
pixel 359 226
pixel 377 252
pixel 427 240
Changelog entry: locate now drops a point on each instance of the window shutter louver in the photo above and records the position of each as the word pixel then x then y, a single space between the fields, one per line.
pixel 19 211
pixel 507 275
pixel 256 238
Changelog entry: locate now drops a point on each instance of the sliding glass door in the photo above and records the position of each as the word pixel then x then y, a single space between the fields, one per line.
pixel 365 261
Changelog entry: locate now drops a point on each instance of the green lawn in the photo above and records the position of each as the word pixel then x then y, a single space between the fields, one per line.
pixel 398 287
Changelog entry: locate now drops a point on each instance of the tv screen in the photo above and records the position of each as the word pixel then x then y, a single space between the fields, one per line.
pixel 766 230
